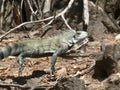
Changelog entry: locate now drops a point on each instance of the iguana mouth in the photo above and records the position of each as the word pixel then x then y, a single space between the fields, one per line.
pixel 79 44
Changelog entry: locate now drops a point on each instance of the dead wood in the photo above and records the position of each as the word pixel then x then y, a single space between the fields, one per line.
pixel 26 87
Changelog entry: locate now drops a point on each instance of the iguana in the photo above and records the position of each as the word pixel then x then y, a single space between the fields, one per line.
pixel 55 46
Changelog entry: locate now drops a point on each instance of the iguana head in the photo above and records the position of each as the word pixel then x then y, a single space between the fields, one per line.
pixel 79 36
pixel 72 37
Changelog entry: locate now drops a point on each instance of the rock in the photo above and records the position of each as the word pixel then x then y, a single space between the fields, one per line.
pixel 117 37
pixel 62 72
pixel 95 28
pixel 109 62
pixel 114 84
pixel 69 83
pixel 114 77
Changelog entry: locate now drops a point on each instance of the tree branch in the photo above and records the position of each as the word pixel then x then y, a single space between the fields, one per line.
pixel 1 14
pixel 85 14
pixel 52 17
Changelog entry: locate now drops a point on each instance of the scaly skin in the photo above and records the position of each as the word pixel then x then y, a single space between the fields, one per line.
pixel 55 46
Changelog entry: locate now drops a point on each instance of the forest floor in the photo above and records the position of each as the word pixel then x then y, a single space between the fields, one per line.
pixel 35 69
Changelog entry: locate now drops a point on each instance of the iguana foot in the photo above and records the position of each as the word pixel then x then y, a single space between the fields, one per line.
pixel 20 70
pixel 52 72
pixel 20 62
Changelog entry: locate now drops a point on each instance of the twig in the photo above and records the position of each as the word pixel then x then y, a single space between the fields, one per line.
pixel 78 55
pixel 80 73
pixel 40 7
pixel 66 9
pixel 30 6
pixel 48 23
pixel 34 2
pixel 33 12
pixel 65 22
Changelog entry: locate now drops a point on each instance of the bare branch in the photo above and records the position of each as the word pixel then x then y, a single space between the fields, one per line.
pixel 62 14
pixel 33 12
pixel 34 2
pixel 25 23
pixel 65 21
pixel 85 14
pixel 30 6
pixel 80 73
pixel 21 4
pixel 47 6
pixel 32 22
pixel 48 23
pixel 1 14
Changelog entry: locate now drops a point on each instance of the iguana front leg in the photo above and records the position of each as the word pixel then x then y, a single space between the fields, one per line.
pixel 58 52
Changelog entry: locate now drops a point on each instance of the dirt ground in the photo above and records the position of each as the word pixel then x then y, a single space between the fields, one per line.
pixel 36 73
pixel 36 76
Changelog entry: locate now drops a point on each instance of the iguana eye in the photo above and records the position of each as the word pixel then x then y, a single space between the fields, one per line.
pixel 74 36
pixel 78 33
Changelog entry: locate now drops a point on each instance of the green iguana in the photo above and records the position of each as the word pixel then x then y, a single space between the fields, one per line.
pixel 55 46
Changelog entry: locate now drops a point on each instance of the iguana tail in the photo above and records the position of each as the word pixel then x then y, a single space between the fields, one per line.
pixel 10 49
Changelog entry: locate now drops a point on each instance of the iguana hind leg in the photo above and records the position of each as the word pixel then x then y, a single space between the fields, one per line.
pixel 20 59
